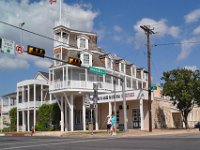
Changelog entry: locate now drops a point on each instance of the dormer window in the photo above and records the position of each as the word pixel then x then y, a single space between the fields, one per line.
pixel 109 63
pixel 62 38
pixel 57 56
pixel 82 42
pixel 86 59
pixel 133 70
pixel 122 69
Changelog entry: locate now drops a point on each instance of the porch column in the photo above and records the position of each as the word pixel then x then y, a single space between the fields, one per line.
pixel 23 120
pixel 63 83
pixel 66 122
pixel 17 109
pixel 110 108
pixel 72 112
pixel 142 112
pixel 41 94
pixel 137 86
pixel 34 111
pixel 62 116
pixel 22 94
pixel 96 118
pixel 86 77
pixel 84 114
pixel 9 107
pixel 28 111
pixel 50 98
pixel 66 78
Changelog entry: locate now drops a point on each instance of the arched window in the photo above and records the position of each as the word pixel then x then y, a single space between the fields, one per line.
pixel 86 59
pixel 82 42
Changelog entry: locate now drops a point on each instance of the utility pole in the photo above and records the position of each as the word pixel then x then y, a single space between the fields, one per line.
pixel 148 32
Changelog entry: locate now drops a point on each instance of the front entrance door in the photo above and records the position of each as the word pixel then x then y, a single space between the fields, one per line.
pixel 136 118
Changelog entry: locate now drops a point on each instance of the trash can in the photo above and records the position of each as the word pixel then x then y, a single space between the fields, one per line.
pixel 90 126
pixel 121 127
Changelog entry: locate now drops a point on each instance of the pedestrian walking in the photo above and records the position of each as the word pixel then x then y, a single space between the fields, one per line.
pixel 109 124
pixel 113 121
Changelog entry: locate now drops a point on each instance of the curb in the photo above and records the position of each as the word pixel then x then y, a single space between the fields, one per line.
pixel 2 134
pixel 17 134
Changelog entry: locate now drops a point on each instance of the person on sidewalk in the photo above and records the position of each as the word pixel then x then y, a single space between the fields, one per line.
pixel 113 120
pixel 109 124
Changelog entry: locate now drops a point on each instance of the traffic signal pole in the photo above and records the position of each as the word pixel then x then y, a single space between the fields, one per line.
pixel 148 32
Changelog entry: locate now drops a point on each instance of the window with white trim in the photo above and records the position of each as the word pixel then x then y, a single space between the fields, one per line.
pixel 109 63
pixel 123 67
pixel 57 56
pixel 86 59
pixel 82 42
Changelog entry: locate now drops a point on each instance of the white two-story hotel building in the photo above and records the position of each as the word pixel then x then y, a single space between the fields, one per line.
pixel 72 86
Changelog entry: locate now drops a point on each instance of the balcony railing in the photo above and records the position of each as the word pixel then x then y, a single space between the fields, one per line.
pixel 31 104
pixel 72 84
pixel 6 109
pixel 60 41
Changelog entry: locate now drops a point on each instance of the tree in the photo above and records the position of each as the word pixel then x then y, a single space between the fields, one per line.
pixel 44 115
pixel 183 88
pixel 13 119
pixel 48 117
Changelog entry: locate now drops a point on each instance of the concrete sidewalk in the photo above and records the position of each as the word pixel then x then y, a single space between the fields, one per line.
pixel 129 133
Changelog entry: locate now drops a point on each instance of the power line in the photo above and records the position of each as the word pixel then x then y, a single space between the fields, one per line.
pixel 40 35
pixel 176 43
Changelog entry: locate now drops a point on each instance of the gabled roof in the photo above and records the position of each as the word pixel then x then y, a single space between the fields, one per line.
pixel 45 75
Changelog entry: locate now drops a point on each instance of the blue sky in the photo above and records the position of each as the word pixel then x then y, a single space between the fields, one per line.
pixel 176 24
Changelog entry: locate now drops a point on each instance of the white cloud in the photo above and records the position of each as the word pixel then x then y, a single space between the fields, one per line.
pixel 193 68
pixel 186 48
pixel 43 63
pixel 159 27
pixel 13 63
pixel 40 17
pixel 196 30
pixel 192 16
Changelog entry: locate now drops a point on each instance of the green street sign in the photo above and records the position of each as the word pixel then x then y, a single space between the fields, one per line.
pixel 96 70
pixel 153 87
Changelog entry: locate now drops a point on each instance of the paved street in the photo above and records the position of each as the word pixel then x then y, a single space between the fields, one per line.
pixel 164 142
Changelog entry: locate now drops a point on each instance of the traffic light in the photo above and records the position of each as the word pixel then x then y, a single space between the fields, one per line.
pixel 75 61
pixel 35 51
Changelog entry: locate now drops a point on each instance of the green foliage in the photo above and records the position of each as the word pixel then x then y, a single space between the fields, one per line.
pixel 183 87
pixel 13 119
pixel 55 115
pixel 48 117
pixel 7 129
pixel 44 115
